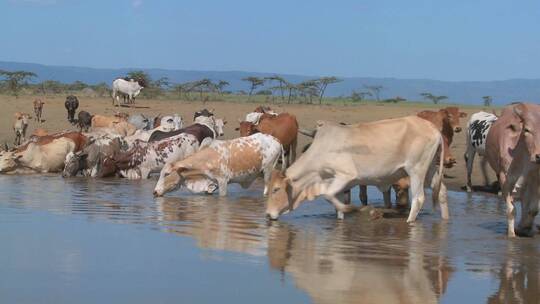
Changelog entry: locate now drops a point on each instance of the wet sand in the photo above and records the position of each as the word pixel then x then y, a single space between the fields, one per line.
pixel 89 241
pixel 55 116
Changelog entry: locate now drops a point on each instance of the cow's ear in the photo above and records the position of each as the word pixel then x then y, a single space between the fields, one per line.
pixel 17 158
pixel 518 110
pixel 462 114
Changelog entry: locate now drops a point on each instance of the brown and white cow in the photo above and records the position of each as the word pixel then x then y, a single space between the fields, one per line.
pixel 42 154
pixel 38 109
pixel 376 153
pixel 513 151
pixel 238 160
pixel 284 127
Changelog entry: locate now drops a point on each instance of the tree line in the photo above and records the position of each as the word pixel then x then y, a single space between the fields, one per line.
pixel 275 86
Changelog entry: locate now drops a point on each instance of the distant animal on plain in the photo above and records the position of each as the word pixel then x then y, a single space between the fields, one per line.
pixel 71 104
pixel 38 109
pixel 130 88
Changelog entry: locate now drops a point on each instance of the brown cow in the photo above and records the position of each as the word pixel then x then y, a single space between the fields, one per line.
pixel 40 132
pixel 513 151
pixel 77 138
pixel 447 122
pixel 101 121
pixel 283 127
pixel 38 109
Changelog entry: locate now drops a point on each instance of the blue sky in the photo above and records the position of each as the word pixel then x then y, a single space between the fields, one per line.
pixel 446 40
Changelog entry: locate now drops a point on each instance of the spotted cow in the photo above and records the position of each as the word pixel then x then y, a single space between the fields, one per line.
pixel 477 131
pixel 238 160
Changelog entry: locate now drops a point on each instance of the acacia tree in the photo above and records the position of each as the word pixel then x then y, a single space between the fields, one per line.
pixel 16 80
pixel 308 89
pixel 487 101
pixel 375 90
pixel 220 85
pixel 359 96
pixel 255 83
pixel 282 84
pixel 141 77
pixel 434 98
pixel 323 82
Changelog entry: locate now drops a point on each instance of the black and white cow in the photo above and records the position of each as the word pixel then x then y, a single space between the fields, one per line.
pixel 477 131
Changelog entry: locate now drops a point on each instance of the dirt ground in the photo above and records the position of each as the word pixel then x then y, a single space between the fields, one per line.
pixel 55 119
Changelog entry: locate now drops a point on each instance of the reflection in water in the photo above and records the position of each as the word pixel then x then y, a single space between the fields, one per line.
pixel 357 260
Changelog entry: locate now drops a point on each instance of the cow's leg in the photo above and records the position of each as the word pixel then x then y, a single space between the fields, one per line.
pixel 363 194
pixel 283 160
pixel 267 173
pixel 483 167
pixel 529 205
pixel 335 188
pixel 292 151
pixel 418 196
pixel 222 184
pixel 442 193
pixel 506 189
pixel 469 160
pixel 387 198
pixel 347 196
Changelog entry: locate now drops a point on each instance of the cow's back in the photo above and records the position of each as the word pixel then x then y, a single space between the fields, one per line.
pixel 284 127
pixel 375 148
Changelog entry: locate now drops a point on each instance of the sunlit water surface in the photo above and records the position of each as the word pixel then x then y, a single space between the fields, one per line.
pixel 110 241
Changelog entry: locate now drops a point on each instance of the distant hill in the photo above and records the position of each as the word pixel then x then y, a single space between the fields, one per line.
pixel 465 92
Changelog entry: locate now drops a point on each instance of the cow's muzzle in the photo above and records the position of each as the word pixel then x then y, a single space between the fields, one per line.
pixel 457 129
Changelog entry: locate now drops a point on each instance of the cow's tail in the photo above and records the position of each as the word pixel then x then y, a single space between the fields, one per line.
pixel 438 177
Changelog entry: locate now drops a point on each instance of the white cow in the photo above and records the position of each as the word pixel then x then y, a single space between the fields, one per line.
pixel 129 88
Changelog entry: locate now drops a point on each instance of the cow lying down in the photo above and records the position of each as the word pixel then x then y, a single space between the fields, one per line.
pixel 376 153
pixel 238 160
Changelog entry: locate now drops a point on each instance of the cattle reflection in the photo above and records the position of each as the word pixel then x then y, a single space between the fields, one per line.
pixel 382 263
pixel 215 222
pixel 519 276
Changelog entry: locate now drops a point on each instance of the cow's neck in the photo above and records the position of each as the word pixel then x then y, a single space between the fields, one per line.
pixel 206 131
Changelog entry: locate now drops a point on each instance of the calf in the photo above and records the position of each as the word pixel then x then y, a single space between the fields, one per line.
pixel 71 105
pixel 477 131
pixel 19 126
pixel 284 127
pixel 38 109
pixel 84 120
pixel 239 160
pixel 513 151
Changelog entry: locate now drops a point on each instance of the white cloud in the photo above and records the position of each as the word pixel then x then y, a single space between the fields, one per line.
pixel 136 3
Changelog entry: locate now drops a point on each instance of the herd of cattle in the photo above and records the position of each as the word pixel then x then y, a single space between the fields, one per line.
pixel 406 154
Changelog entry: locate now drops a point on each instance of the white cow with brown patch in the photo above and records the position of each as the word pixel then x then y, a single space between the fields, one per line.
pixel 238 160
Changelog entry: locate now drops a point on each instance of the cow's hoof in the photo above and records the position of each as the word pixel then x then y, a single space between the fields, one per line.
pixel 524 232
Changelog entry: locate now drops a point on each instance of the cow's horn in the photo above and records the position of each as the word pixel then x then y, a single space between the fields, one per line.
pixel 310 133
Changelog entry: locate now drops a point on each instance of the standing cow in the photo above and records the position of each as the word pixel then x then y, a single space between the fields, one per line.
pixel 477 132
pixel 38 109
pixel 71 104
pixel 377 153
pixel 130 88
pixel 513 151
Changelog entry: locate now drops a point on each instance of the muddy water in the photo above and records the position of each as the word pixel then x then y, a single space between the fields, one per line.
pixel 109 241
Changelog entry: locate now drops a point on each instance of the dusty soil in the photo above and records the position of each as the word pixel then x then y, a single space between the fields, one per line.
pixel 55 119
